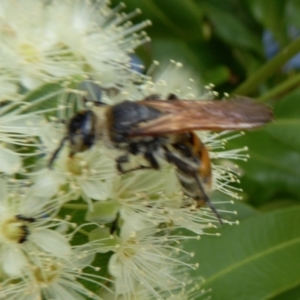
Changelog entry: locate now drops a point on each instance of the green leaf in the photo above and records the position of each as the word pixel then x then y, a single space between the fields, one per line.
pixel 231 29
pixel 175 18
pixel 217 75
pixel 293 11
pixel 248 60
pixel 200 58
pixel 277 204
pixel 288 106
pixel 286 131
pixel 286 127
pixel 185 15
pixel 225 204
pixel 45 97
pixel 103 212
pixel 293 294
pixel 273 169
pixel 258 259
pixel 271 16
pixel 271 164
pixel 178 50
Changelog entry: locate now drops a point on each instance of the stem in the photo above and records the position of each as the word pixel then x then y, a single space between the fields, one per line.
pixel 281 88
pixel 84 232
pixel 75 206
pixel 268 69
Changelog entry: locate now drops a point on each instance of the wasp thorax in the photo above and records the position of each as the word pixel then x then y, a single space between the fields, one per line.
pixel 15 229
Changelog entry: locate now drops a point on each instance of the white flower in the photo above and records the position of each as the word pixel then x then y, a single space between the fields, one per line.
pixel 86 174
pixel 139 197
pixel 138 293
pixel 8 86
pixel 174 78
pixel 224 171
pixel 16 129
pixel 55 278
pixel 25 224
pixel 192 289
pixel 57 39
pixel 147 257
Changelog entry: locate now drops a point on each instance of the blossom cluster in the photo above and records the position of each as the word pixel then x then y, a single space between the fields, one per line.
pixel 78 229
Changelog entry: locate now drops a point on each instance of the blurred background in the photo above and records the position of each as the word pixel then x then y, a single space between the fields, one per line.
pixel 248 48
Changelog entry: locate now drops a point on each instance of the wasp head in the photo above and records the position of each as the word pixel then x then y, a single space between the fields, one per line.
pixel 80 133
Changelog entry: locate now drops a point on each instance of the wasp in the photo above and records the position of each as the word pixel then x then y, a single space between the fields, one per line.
pixel 157 128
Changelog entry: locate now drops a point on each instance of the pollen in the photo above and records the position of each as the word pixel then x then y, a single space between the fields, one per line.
pixel 77 166
pixel 29 53
pixel 14 230
pixel 130 248
pixel 47 274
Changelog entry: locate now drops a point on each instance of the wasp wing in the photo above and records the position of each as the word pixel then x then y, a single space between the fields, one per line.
pixel 186 115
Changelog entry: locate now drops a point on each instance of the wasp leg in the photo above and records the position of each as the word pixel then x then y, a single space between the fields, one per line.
pixel 125 159
pixel 152 160
pixel 187 169
pixel 120 161
pixel 55 153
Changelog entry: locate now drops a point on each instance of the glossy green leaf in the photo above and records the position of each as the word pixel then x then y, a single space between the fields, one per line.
pixel 175 18
pixel 248 60
pixel 185 15
pixel 287 123
pixel 277 204
pixel 273 169
pixel 196 57
pixel 293 11
pixel 217 75
pixel 44 97
pixel 287 106
pixel 292 294
pixel 271 16
pixel 232 210
pixel 271 165
pixel 178 50
pixel 232 30
pixel 287 132
pixel 257 259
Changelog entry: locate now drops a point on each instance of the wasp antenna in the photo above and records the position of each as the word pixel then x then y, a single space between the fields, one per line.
pixel 54 155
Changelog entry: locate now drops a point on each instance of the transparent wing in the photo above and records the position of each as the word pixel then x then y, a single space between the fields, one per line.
pixel 186 115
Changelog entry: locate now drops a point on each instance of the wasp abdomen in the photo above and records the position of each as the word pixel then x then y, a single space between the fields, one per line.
pixel 190 186
pixel 193 166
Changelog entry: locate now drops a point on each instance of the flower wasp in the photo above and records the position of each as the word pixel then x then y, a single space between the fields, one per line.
pixel 164 128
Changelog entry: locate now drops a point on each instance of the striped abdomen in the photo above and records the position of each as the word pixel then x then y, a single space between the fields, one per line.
pixel 194 173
